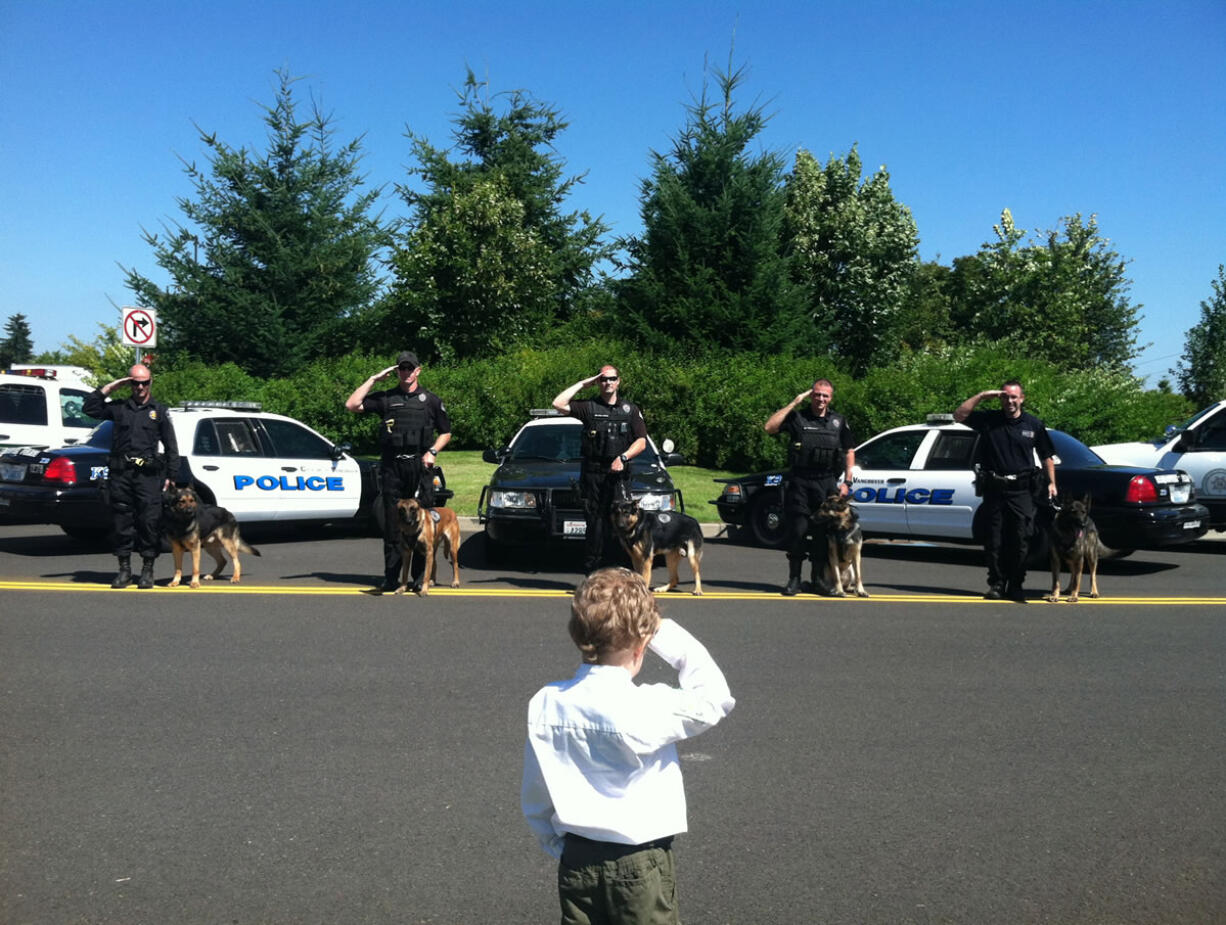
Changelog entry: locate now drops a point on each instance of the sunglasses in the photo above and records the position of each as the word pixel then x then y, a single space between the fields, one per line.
pixel 609 378
pixel 406 369
pixel 140 382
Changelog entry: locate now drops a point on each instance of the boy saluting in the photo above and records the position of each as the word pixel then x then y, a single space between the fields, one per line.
pixel 602 785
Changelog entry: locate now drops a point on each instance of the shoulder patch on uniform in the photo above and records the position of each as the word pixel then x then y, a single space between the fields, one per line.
pixel 626 407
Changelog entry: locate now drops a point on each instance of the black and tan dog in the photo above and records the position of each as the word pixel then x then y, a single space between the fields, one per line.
pixel 422 529
pixel 643 534
pixel 837 534
pixel 1074 544
pixel 192 525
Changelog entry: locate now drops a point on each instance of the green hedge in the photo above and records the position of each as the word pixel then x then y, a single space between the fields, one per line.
pixel 711 405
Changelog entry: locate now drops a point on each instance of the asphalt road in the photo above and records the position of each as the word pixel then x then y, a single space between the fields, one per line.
pixel 295 750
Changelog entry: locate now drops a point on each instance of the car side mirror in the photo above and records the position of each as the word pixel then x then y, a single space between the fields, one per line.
pixel 675 459
pixel 340 450
pixel 495 456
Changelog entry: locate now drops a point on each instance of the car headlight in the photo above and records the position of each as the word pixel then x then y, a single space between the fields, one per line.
pixel 657 501
pixel 512 499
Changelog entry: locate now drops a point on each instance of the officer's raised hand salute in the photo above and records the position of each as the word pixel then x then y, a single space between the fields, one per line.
pixel 821 455
pixel 1009 440
pixel 613 434
pixel 137 472
pixel 410 417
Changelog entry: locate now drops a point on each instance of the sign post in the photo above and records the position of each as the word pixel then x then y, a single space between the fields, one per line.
pixel 140 328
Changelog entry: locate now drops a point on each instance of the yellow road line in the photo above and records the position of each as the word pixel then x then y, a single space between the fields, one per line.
pixel 341 590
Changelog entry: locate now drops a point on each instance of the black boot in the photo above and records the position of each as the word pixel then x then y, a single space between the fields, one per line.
pixel 793 586
pixel 124 577
pixel 146 574
pixel 391 581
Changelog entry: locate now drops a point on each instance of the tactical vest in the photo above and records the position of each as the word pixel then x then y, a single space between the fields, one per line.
pixel 406 423
pixel 608 433
pixel 818 447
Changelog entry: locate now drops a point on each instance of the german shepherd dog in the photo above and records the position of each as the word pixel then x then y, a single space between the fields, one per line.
pixel 1074 543
pixel 645 533
pixel 837 528
pixel 192 525
pixel 422 529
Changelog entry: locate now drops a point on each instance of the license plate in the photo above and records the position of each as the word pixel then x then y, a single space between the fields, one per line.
pixel 12 473
pixel 1192 525
pixel 1180 493
pixel 574 528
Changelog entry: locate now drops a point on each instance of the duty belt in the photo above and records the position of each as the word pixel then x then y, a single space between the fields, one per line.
pixel 138 461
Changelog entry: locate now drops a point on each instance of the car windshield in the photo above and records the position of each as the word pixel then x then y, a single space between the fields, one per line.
pixel 559 443
pixel 1073 452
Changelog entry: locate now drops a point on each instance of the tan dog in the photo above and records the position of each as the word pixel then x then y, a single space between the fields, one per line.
pixel 1074 543
pixel 191 525
pixel 421 533
pixel 838 521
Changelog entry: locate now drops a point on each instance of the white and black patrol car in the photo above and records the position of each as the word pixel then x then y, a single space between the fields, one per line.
pixel 917 482
pixel 263 467
pixel 1197 446
pixel 533 495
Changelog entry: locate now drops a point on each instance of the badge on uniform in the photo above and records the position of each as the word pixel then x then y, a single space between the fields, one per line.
pixel 626 407
pixel 421 397
pixel 153 414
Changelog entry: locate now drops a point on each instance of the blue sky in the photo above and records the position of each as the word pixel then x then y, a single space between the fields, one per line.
pixel 1048 109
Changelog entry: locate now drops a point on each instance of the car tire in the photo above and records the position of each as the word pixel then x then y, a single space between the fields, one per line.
pixel 764 519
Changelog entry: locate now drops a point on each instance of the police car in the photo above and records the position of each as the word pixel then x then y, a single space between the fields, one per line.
pixel 533 495
pixel 263 467
pixel 917 482
pixel 1197 446
pixel 42 406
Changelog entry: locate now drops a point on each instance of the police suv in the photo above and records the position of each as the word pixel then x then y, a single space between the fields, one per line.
pixel 1197 446
pixel 918 482
pixel 41 406
pixel 263 467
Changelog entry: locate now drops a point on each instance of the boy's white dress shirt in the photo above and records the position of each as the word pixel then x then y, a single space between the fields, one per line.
pixel 600 760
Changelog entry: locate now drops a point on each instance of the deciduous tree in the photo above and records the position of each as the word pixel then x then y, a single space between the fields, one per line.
pixel 854 252
pixel 1202 369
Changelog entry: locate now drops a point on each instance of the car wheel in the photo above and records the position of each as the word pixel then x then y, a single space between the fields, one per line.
pixel 764 520
pixel 89 535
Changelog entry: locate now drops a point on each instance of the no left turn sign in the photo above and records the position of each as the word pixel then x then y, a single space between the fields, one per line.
pixel 140 327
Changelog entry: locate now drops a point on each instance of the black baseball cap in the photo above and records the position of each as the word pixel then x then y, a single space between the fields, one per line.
pixel 407 357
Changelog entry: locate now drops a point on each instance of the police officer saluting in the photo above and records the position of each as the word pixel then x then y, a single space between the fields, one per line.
pixel 1008 441
pixel 137 476
pixel 409 418
pixel 613 434
pixel 821 454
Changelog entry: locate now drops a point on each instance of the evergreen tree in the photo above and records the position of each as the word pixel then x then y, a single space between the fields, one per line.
pixel 489 254
pixel 1202 369
pixel 854 252
pixel 1067 296
pixel 709 267
pixel 277 252
pixel 17 347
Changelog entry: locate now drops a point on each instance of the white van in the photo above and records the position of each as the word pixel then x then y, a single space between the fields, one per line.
pixel 42 406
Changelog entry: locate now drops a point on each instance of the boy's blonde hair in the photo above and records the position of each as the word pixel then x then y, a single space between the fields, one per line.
pixel 611 611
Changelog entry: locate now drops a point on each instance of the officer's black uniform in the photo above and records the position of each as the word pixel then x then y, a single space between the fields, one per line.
pixel 1010 484
pixel 409 422
pixel 608 431
pixel 136 476
pixel 817 454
